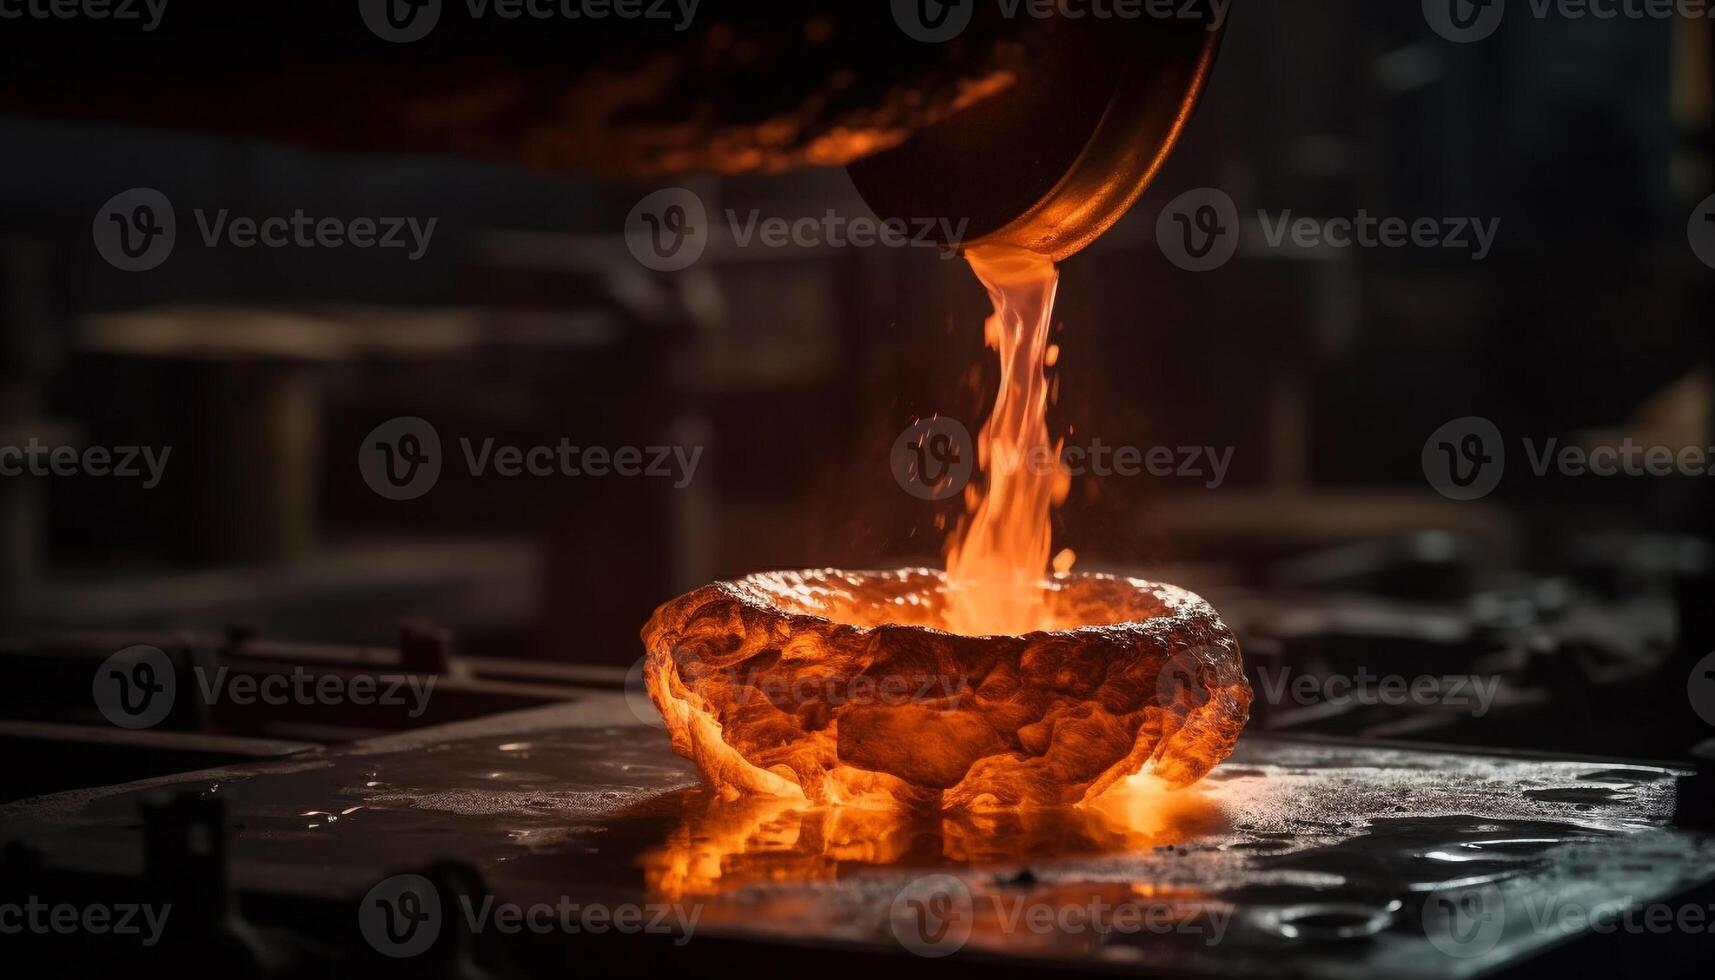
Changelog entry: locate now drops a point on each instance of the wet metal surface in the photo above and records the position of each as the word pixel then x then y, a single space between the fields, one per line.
pixel 1289 850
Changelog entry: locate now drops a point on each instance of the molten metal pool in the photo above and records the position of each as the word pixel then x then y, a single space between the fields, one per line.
pixel 842 688
pixel 984 687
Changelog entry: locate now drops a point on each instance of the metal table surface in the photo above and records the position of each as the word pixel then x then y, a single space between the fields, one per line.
pixel 1291 849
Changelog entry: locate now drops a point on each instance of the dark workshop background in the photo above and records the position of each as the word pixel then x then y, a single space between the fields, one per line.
pixel 528 321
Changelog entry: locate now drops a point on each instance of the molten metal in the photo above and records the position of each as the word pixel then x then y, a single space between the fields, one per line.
pixel 984 687
pixel 838 688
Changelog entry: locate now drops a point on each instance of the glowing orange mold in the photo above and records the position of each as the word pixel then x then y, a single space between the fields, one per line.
pixel 839 687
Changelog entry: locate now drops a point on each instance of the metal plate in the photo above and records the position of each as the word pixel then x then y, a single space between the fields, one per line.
pixel 1338 853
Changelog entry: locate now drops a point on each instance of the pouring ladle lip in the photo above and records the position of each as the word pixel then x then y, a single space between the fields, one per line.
pixel 1155 89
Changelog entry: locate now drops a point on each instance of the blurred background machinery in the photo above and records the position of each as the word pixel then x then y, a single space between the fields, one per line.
pixel 793 369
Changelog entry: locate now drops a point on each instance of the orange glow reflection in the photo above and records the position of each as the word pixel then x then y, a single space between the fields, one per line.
pixel 720 847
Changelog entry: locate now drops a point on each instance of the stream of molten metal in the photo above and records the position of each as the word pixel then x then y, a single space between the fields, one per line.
pixel 997 556
pixel 742 671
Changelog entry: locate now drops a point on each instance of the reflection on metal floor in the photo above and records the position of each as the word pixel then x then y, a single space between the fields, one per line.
pixel 1343 854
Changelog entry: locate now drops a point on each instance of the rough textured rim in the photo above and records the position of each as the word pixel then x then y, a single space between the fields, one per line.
pixel 1167 596
pixel 1199 664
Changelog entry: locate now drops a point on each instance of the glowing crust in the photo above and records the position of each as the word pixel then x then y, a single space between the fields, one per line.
pixel 836 687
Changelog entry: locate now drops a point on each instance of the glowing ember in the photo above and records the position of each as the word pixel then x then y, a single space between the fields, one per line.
pixel 721 847
pixel 989 686
pixel 836 687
